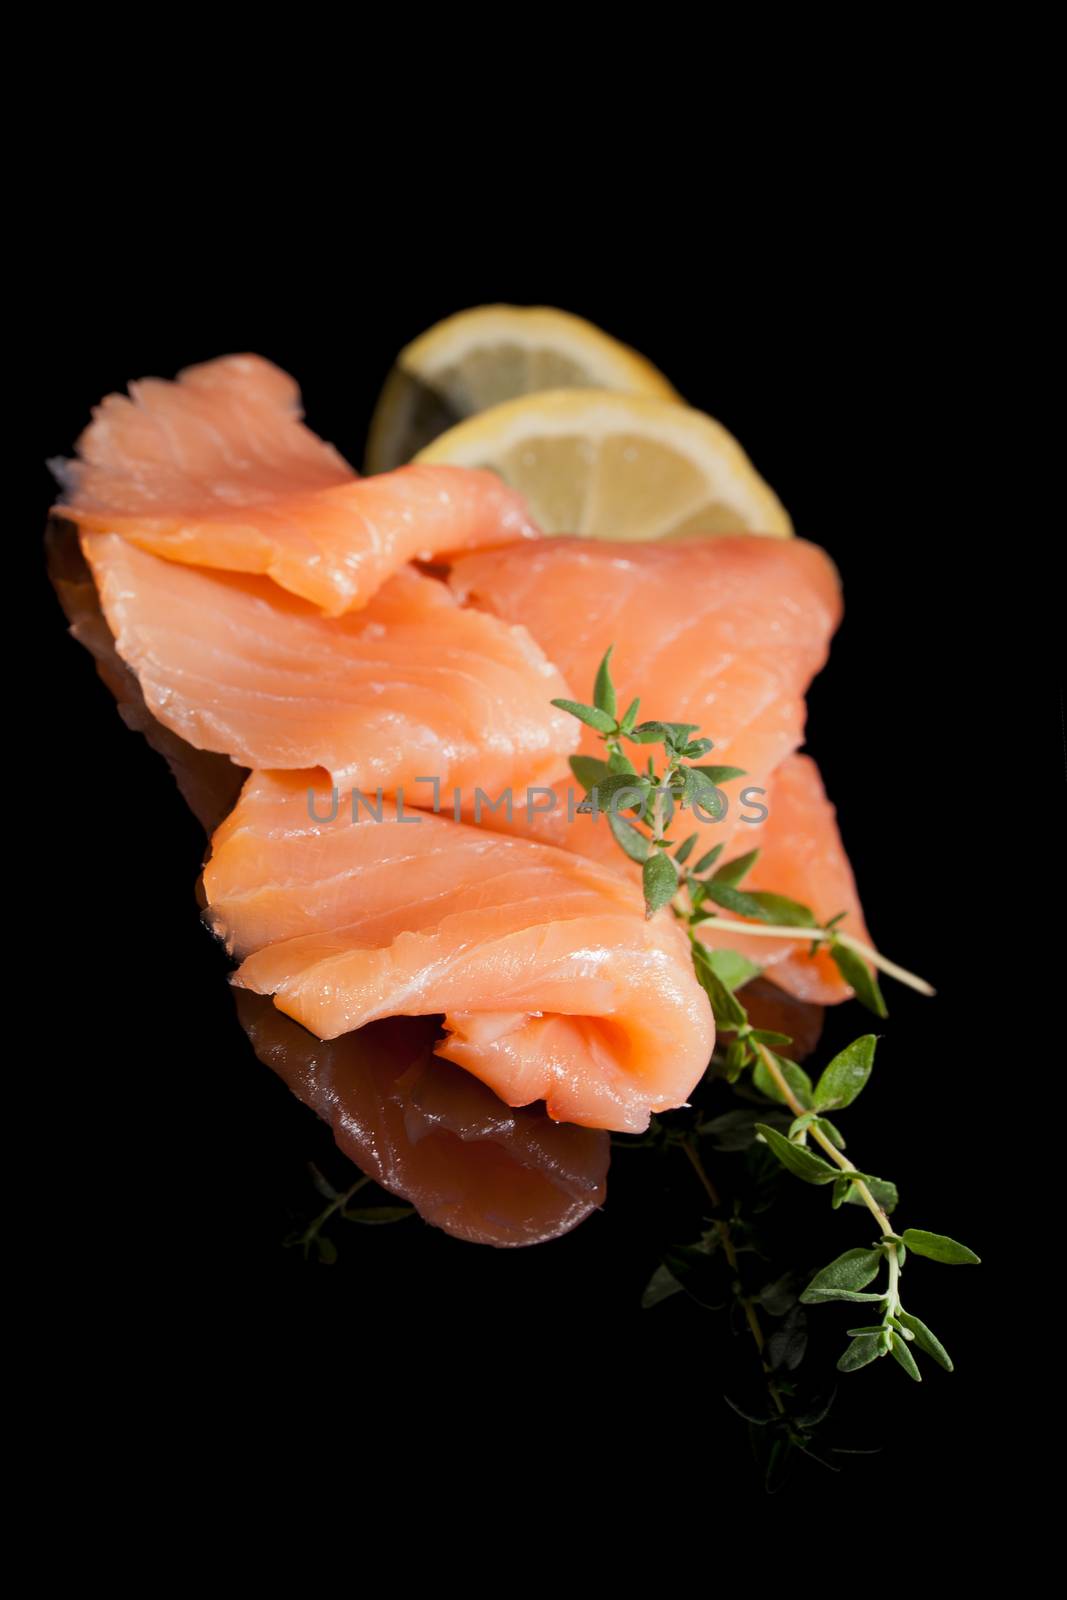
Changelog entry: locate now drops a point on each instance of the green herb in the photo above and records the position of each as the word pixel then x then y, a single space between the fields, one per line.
pixel 629 838
pixel 735 900
pixel 709 859
pixel 589 770
pixel 778 908
pixel 592 716
pixel 732 873
pixel 846 1075
pixel 925 1340
pixel 313 1241
pixel 735 970
pixel 854 1270
pixel 796 1157
pixel 659 878
pixel 858 976
pixel 938 1248
pixel 604 689
pixel 720 775
pixel 810 1147
pixel 795 1076
pixel 681 781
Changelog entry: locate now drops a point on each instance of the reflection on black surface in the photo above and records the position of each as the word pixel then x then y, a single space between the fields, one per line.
pixel 433 1134
pixel 777 1010
pixel 209 783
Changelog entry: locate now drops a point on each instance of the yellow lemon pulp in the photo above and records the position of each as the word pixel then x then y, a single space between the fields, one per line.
pixel 612 465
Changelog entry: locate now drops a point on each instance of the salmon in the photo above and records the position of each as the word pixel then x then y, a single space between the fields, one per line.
pixel 553 984
pixel 725 633
pixel 412 686
pixel 421 1127
pixel 801 856
pixel 432 1134
pixel 218 470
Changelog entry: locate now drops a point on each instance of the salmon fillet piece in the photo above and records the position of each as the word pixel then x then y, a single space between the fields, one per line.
pixel 411 686
pixel 217 470
pixel 422 1128
pixel 726 633
pixel 432 1134
pixel 552 983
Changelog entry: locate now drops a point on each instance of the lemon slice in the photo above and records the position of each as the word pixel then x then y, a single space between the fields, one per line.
pixel 617 466
pixel 483 357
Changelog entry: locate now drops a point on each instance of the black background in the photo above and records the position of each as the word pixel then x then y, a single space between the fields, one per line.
pixel 171 1161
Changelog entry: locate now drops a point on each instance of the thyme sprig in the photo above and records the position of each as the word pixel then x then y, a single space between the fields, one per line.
pixel 849 1276
pixel 652 797
pixel 313 1240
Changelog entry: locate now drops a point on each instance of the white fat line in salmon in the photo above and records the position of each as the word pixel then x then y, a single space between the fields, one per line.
pixel 539 802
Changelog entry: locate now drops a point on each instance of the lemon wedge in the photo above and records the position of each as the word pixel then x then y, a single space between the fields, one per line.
pixel 611 465
pixel 483 357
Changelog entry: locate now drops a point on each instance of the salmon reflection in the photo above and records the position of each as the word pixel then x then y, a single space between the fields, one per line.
pixel 209 783
pixel 776 1009
pixel 431 1133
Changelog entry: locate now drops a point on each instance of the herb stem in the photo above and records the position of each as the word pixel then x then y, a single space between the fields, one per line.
pixel 892 1298
pixel 823 1140
pixel 657 813
pixel 723 1229
pixel 698 1167
pixel 337 1204
pixel 764 930
pixel 667 881
pixel 861 1188
pixel 890 968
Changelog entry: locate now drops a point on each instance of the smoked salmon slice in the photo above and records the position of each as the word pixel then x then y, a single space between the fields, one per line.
pixel 217 470
pixel 432 1134
pixel 552 983
pixel 411 687
pixel 725 633
pixel 421 1127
